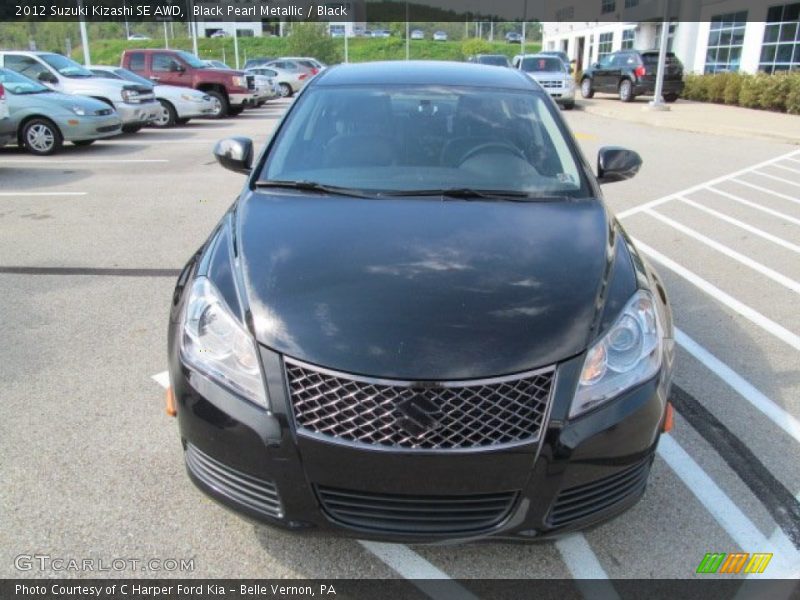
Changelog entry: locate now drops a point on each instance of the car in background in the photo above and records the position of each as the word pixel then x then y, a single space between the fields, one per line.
pixel 178 104
pixel 495 60
pixel 43 120
pixel 631 73
pixel 219 33
pixel 440 36
pixel 314 65
pixel 513 37
pixel 232 91
pixel 257 62
pixel 288 82
pixel 381 33
pixel 337 31
pixel 134 103
pixel 562 55
pixel 418 34
pixel 137 37
pixel 537 343
pixel 552 74
pixel 288 64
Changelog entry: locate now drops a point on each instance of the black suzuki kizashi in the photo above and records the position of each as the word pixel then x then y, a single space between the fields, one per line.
pixel 419 321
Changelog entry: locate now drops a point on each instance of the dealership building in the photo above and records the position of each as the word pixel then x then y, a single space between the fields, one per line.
pixel 708 36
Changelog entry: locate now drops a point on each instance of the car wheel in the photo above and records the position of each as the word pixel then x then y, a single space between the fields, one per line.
pixel 235 111
pixel 221 106
pixel 181 121
pixel 83 142
pixel 670 97
pixel 285 90
pixel 131 128
pixel 625 90
pixel 41 137
pixel 586 88
pixel 569 105
pixel 167 117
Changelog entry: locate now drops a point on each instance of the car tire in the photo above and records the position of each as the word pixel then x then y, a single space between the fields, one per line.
pixel 41 137
pixel 626 90
pixel 670 97
pixel 221 106
pixel 285 90
pixel 586 88
pixel 83 142
pixel 235 111
pixel 568 105
pixel 167 117
pixel 181 121
pixel 131 128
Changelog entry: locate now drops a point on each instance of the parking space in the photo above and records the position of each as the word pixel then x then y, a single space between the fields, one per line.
pixel 93 238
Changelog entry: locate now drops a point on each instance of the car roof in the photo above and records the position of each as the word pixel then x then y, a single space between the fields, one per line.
pixel 424 72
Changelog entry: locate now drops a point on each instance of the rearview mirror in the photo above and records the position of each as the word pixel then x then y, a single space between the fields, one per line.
pixel 617 164
pixel 47 77
pixel 235 154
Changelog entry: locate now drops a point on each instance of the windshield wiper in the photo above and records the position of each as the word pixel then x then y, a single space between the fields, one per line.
pixel 313 186
pixel 466 194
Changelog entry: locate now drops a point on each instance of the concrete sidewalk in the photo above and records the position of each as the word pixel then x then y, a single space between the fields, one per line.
pixel 700 117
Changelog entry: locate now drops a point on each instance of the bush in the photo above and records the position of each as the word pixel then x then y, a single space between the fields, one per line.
pixel 312 39
pixel 716 87
pixel 793 97
pixel 732 89
pixel 695 88
pixel 752 88
pixel 473 46
pixel 775 90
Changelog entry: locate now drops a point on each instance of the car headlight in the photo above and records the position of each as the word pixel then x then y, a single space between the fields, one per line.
pixel 192 97
pixel 216 344
pixel 78 110
pixel 131 96
pixel 629 353
pixel 239 81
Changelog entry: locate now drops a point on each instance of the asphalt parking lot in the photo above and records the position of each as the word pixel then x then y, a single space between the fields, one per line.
pixel 92 240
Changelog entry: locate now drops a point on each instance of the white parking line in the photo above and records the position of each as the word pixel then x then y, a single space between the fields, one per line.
pixel 741 386
pixel 776 178
pixel 764 209
pixel 785 168
pixel 42 194
pixel 779 278
pixel 583 564
pixel 766 190
pixel 162 379
pixel 725 512
pixel 705 185
pixel 748 313
pixel 742 225
pixel 48 161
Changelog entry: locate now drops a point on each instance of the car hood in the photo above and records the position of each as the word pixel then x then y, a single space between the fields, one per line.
pixel 56 99
pixel 548 75
pixel 420 288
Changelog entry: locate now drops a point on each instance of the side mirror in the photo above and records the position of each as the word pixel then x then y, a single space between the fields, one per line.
pixel 617 164
pixel 176 68
pixel 47 77
pixel 235 154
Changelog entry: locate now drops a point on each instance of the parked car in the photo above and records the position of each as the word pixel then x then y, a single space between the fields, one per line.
pixel 495 60
pixel 219 33
pixel 381 33
pixel 137 37
pixel 287 64
pixel 178 104
pixel 440 36
pixel 42 120
pixel 513 37
pixel 368 360
pixel 216 64
pixel 7 128
pixel 257 62
pixel 550 73
pixel 312 64
pixel 418 34
pixel 134 103
pixel 631 73
pixel 232 91
pixel 562 55
pixel 289 82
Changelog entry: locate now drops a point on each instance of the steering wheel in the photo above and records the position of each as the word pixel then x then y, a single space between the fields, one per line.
pixel 482 148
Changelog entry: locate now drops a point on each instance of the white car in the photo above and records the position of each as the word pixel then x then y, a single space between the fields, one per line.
pixel 418 34
pixel 440 36
pixel 220 33
pixel 137 36
pixel 178 104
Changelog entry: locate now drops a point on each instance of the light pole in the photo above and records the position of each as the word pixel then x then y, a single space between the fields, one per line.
pixel 657 103
pixel 87 59
pixel 408 38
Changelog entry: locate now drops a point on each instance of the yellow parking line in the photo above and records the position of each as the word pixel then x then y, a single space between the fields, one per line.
pixel 587 137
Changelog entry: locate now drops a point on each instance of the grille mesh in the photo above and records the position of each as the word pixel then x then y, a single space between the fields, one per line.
pixel 450 415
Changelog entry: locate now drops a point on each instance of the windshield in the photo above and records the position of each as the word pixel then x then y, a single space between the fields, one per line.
pixel 65 66
pixel 19 84
pixel 191 60
pixel 132 77
pixel 499 61
pixel 406 138
pixel 542 64
pixel 651 58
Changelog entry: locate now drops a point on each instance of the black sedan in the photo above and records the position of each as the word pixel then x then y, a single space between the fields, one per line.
pixel 419 321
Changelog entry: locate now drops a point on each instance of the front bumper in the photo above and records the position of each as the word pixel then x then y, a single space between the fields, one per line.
pixel 242 99
pixel 137 114
pixel 578 473
pixel 189 110
pixel 89 127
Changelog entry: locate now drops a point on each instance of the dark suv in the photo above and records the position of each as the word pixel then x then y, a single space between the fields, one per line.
pixel 632 73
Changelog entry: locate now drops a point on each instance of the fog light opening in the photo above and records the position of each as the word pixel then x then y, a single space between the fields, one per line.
pixel 669 418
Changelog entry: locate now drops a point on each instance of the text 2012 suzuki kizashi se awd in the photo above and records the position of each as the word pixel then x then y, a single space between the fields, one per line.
pixel 419 321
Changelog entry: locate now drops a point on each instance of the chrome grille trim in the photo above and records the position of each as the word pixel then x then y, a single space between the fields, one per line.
pixel 476 414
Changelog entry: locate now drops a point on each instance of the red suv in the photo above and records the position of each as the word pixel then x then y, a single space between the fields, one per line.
pixel 233 91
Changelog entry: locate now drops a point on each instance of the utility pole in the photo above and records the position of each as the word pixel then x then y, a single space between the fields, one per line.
pixel 87 59
pixel 166 37
pixel 524 19
pixel 408 35
pixel 236 44
pixel 657 103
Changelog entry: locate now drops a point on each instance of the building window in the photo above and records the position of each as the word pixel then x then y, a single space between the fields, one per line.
pixel 628 36
pixel 604 43
pixel 781 48
pixel 725 41
pixel 631 3
pixel 608 6
pixel 670 39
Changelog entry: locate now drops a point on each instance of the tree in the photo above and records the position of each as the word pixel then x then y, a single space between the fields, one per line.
pixel 312 39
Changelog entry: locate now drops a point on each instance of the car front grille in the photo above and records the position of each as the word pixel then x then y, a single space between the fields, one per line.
pixel 251 82
pixel 397 513
pixel 551 83
pixel 108 128
pixel 415 415
pixel 576 503
pixel 257 494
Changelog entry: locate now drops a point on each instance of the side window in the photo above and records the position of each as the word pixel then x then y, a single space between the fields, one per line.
pixel 607 60
pixel 269 73
pixel 136 62
pixel 620 60
pixel 163 62
pixel 25 65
